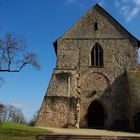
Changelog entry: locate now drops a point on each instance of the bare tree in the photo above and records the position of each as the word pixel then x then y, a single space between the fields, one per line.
pixel 13 58
pixel 7 112
pixel 13 55
pixel 1 112
pixel 10 113
pixel 17 116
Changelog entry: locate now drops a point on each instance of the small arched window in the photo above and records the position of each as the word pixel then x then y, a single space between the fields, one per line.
pixel 97 56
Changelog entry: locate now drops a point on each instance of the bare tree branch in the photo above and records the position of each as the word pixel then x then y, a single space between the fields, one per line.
pixel 1 112
pixel 13 57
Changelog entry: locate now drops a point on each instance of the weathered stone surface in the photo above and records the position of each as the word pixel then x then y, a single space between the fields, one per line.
pixel 58 112
pixel 74 77
pixel 134 86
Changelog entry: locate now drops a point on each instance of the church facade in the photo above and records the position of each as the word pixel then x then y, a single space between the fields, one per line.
pixel 96 82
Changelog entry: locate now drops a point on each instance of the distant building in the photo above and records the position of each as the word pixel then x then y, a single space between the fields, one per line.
pixel 96 82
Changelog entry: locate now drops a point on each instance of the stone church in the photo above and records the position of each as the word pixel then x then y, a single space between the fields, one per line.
pixel 96 82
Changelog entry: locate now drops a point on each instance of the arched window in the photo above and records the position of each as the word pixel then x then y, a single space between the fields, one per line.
pixel 97 56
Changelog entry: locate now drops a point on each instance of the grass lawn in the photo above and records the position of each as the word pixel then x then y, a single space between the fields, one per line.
pixel 12 131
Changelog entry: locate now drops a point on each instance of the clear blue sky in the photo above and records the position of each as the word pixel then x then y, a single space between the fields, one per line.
pixel 41 22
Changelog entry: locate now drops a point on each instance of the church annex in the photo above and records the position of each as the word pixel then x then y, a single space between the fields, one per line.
pixel 96 82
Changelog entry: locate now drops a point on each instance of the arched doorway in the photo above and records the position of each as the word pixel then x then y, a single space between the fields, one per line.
pixel 95 116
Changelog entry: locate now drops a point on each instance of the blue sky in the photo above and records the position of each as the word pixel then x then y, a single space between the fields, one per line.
pixel 41 22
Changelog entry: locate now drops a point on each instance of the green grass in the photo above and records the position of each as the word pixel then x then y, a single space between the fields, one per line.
pixel 12 131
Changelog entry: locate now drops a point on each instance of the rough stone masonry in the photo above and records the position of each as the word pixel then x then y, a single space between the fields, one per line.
pixel 96 82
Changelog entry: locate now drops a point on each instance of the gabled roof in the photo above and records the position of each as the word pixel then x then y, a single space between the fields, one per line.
pixel 114 21
pixel 99 7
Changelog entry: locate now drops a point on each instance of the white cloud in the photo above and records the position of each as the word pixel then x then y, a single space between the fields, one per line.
pixel 124 10
pixel 133 13
pixel 101 2
pixel 137 2
pixel 129 9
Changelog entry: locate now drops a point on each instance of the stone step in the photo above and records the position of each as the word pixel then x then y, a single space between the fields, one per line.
pixel 84 137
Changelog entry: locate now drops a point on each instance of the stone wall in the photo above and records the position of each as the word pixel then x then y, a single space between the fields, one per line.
pixel 74 77
pixel 106 84
pixel 58 112
pixel 62 83
pixel 113 97
pixel 134 85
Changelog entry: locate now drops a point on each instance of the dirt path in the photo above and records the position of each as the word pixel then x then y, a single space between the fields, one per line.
pixel 90 132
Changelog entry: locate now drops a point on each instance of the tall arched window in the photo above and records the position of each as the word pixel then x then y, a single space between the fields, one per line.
pixel 97 56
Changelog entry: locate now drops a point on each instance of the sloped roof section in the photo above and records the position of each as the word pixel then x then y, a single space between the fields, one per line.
pixel 98 7
pixel 85 23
